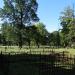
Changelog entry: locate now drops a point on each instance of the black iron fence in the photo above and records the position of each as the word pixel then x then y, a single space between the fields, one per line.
pixel 39 63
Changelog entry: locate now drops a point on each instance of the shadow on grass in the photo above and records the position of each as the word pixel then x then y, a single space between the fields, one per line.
pixel 26 64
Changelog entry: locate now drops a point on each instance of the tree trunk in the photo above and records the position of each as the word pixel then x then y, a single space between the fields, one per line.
pixel 20 40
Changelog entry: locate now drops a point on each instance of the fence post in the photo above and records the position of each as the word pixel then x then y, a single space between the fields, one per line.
pixel 74 59
pixel 43 50
pixel 63 57
pixel 30 51
pixel 40 63
pixel 9 54
pixel 71 61
pixel 1 52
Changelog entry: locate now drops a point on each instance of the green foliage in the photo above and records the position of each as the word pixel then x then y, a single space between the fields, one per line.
pixel 18 17
pixel 54 39
pixel 19 13
pixel 68 28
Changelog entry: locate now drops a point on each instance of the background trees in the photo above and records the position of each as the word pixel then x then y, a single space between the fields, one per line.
pixel 19 13
pixel 68 26
pixel 20 28
pixel 43 33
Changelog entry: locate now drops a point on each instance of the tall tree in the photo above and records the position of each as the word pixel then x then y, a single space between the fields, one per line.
pixel 8 33
pixel 66 19
pixel 43 33
pixel 72 32
pixel 54 39
pixel 19 13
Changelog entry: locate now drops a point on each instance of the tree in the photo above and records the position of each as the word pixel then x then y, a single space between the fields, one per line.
pixel 19 13
pixel 72 32
pixel 41 28
pixel 8 33
pixel 54 39
pixel 66 19
pixel 43 32
pixel 30 31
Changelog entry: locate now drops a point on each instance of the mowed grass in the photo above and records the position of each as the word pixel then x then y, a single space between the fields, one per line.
pixel 70 50
pixel 35 50
pixel 32 68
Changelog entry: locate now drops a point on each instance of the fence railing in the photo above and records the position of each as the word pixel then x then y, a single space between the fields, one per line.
pixel 61 59
pixel 46 60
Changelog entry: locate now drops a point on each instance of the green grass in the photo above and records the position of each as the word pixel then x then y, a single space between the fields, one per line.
pixel 33 50
pixel 23 68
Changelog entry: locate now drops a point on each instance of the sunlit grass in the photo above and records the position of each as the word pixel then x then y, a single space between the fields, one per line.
pixel 36 50
pixel 42 50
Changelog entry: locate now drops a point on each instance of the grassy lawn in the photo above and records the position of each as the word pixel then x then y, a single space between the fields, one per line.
pixel 35 50
pixel 32 68
pixel 70 50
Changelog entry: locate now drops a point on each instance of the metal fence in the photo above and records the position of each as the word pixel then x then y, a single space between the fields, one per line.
pixel 47 62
